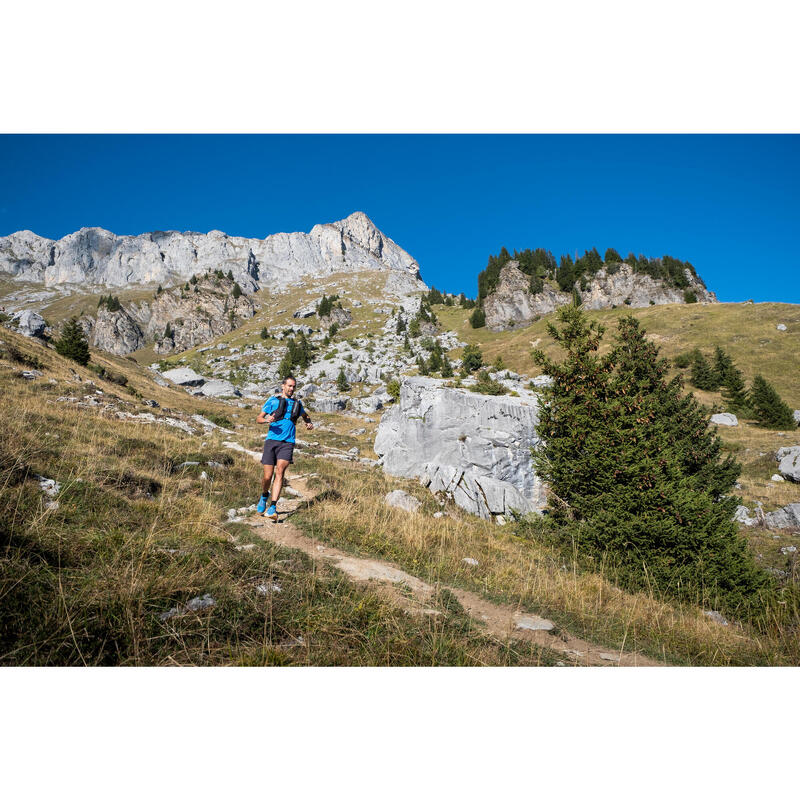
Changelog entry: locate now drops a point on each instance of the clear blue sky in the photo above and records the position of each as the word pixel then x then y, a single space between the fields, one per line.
pixel 729 204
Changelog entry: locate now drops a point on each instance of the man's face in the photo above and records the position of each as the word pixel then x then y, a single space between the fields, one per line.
pixel 288 388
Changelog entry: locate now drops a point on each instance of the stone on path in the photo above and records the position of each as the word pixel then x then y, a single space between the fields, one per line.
pixel 725 419
pixel 471 561
pixel 531 623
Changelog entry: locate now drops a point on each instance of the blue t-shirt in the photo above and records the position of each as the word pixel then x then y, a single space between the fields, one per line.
pixel 282 430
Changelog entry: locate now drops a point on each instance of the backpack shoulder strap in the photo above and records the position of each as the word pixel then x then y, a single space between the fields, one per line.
pixel 280 411
pixel 297 410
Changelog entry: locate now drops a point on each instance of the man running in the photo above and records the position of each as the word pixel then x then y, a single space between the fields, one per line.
pixel 282 413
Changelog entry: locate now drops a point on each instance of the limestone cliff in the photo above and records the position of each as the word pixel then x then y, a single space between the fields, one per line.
pixel 512 305
pixel 94 256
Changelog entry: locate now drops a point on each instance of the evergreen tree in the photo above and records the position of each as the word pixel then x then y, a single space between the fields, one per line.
pixel 422 366
pixel 435 361
pixel 285 367
pixel 264 333
pixel 632 461
pixel 193 280
pixel 447 367
pixel 406 344
pixel 472 358
pixel 401 325
pixel 769 409
pixel 723 364
pixel 333 330
pixel 237 291
pixel 612 256
pixel 435 296
pixel 477 318
pixel 72 343
pixel 702 376
pixel 499 364
pixel 168 331
pixel 341 381
pixel 734 393
pixel 565 275
pixel 159 290
pixel 414 329
pixel 230 274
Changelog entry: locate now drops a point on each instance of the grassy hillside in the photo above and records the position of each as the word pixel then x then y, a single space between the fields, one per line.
pixel 746 330
pixel 135 533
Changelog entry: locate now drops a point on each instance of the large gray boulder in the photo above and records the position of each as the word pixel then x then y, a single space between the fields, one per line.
pixel 327 404
pixel 789 463
pixel 475 448
pixel 184 376
pixel 786 517
pixel 29 323
pixel 725 419
pixel 218 388
pixel 796 415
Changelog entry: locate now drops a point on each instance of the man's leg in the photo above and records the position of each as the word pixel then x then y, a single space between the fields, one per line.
pixel 277 484
pixel 265 481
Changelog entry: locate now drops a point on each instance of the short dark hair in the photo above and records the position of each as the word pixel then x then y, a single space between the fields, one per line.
pixel 289 378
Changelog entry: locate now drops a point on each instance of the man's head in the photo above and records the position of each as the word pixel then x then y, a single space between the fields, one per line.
pixel 289 384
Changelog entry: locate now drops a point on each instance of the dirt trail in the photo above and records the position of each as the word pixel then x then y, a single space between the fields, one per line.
pixel 500 620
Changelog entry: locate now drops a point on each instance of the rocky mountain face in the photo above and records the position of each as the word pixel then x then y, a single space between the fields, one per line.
pixel 512 305
pixel 471 447
pixel 94 256
pixel 176 319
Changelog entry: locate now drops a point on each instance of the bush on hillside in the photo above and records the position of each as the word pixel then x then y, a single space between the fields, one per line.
pixel 478 318
pixel 472 358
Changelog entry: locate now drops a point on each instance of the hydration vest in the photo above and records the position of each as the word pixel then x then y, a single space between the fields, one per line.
pixel 280 411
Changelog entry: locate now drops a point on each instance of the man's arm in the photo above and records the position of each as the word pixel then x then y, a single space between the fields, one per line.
pixel 307 420
pixel 264 418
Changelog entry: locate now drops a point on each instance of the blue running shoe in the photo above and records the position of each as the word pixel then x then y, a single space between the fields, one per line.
pixel 262 505
pixel 272 512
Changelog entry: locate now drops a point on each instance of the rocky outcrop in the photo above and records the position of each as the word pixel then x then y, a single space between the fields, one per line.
pixel 94 256
pixel 474 448
pixel 512 305
pixel 340 317
pixel 789 463
pixel 29 323
pixel 116 332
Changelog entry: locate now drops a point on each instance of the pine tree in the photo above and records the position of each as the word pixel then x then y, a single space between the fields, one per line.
pixel 769 409
pixel 406 344
pixel 72 343
pixel 401 325
pixel 168 331
pixel 435 361
pixel 723 364
pixel 285 367
pixel 447 367
pixel 631 458
pixel 702 375
pixel 422 366
pixel 435 296
pixel 341 381
pixel 264 333
pixel 414 329
pixel 237 291
pixel 612 256
pixel 230 274
pixel 734 393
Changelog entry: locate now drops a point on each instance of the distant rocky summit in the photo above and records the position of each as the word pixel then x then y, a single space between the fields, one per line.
pixel 474 448
pixel 512 304
pixel 94 256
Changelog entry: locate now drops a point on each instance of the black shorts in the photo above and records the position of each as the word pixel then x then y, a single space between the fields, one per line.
pixel 275 450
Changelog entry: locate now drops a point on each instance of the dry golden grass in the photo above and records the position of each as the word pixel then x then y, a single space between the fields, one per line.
pixel 526 573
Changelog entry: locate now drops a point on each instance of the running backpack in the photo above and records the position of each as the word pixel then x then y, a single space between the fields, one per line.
pixel 280 411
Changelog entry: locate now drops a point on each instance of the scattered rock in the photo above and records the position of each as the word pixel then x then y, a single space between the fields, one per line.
pixel 716 617
pixel 725 419
pixel 403 500
pixel 777 478
pixel 471 561
pixel 218 388
pixel 49 486
pixel 786 517
pixel 438 515
pixel 268 588
pixel 31 374
pixel 781 327
pixel 609 657
pixel 195 604
pixel 787 550
pixel 532 623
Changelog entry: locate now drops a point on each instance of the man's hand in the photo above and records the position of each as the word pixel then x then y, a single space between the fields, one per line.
pixel 270 418
pixel 309 425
